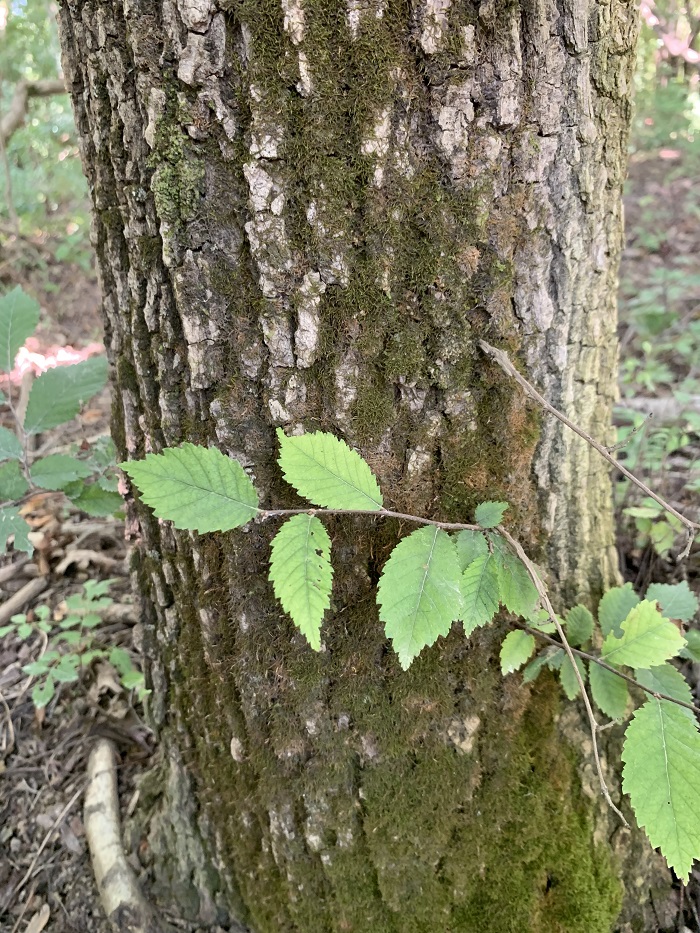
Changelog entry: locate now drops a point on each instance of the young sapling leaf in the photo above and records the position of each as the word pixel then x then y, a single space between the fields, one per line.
pixel 490 514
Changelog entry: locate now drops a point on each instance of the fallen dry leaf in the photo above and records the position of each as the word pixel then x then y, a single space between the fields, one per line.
pixel 39 920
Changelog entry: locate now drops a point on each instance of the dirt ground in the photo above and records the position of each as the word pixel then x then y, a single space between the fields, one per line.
pixel 46 882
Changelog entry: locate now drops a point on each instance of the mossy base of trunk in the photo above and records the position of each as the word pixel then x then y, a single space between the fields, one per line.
pixel 486 829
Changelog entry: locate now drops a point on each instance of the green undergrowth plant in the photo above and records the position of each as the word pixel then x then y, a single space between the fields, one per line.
pixel 444 573
pixel 73 644
pixel 86 476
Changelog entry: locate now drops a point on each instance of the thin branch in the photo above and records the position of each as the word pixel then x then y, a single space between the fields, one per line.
pixel 17 110
pixel 613 670
pixel 595 727
pixel 502 359
pixel 264 514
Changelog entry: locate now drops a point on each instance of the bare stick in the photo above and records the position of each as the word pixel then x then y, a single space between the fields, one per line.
pixel 502 359
pixel 542 592
pixel 265 514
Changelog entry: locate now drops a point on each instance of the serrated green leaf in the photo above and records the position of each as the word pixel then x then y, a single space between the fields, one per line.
pixel 578 625
pixel 609 691
pixel 12 523
pixel 517 647
pixel 555 658
pixel 648 639
pixel 96 501
pixel 19 316
pixel 676 600
pixel 480 592
pixel 489 514
pixel 662 536
pixel 666 679
pixel 5 630
pixel 692 648
pixel 13 485
pixel 24 630
pixel 661 774
pixel 57 470
pixel 195 487
pixel 614 608
pixel 301 573
pixel 10 447
pixel 419 591
pixel 568 678
pixel 57 394
pixel 327 472
pixel 516 590
pixel 470 545
pixel 43 693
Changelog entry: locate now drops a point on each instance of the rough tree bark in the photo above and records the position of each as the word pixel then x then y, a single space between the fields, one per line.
pixel 306 214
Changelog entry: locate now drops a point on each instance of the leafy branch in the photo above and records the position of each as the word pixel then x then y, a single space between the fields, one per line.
pixel 433 579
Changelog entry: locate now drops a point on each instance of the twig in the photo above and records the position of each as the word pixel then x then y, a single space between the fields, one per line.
pixel 542 592
pixel 16 112
pixel 10 726
pixel 502 359
pixel 613 670
pixel 57 823
pixel 20 599
pixel 265 514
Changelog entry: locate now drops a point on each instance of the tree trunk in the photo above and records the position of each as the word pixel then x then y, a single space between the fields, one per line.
pixel 307 212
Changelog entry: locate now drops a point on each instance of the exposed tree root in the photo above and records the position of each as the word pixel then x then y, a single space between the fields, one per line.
pixel 127 909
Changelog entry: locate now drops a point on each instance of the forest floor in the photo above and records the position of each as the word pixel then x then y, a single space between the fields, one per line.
pixel 46 881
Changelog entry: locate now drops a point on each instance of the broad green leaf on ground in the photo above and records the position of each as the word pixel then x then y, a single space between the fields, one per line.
pixel 19 316
pixel 57 470
pixel 480 592
pixel 614 608
pixel 666 679
pixel 57 394
pixel 327 472
pixel 13 485
pixel 661 774
pixel 517 647
pixel 648 639
pixel 675 600
pixel 516 590
pixel 489 514
pixel 301 573
pixel 10 447
pixel 419 592
pixel 195 487
pixel 578 625
pixel 568 678
pixel 470 545
pixel 609 692
pixel 692 648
